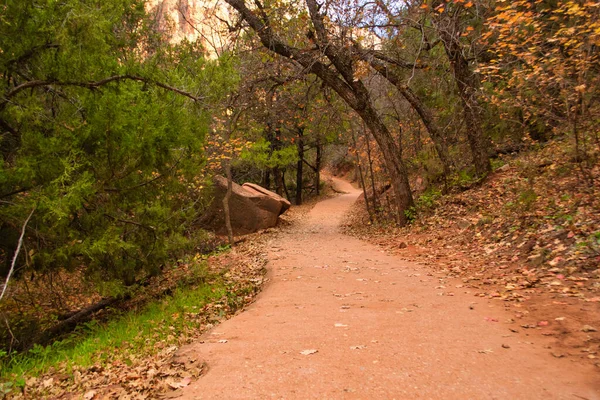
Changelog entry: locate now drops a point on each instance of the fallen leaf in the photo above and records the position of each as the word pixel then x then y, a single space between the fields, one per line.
pixel 181 384
pixel 89 395
pixel 309 352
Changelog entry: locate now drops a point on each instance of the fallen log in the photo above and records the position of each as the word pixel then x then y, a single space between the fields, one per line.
pixel 68 324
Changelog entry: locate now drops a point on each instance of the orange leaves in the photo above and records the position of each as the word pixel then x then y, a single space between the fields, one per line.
pixel 220 149
pixel 543 58
pixel 463 3
pixel 467 31
pixel 362 70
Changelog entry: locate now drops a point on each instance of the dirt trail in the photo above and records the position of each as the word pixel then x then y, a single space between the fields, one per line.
pixel 382 328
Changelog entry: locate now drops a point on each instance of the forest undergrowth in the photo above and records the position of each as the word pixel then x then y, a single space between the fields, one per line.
pixel 134 353
pixel 527 236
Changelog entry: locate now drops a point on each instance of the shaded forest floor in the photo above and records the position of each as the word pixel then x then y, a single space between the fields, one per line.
pixel 218 287
pixel 528 237
pixel 145 367
pixel 479 239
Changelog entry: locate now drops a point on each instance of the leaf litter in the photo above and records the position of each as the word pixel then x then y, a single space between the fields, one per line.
pixel 126 374
pixel 539 255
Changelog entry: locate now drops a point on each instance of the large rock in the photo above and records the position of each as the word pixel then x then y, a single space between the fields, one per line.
pixel 251 208
pixel 285 204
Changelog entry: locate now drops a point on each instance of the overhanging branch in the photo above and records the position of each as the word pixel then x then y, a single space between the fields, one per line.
pixel 92 85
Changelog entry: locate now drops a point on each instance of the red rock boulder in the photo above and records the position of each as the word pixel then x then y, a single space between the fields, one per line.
pixel 285 204
pixel 252 208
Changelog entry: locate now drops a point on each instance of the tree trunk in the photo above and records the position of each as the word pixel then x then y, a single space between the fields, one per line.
pixel 393 159
pixel 439 141
pixel 285 189
pixel 339 74
pixel 278 181
pixel 300 164
pixel 371 174
pixel 226 202
pixel 422 110
pixel 318 167
pixel 72 321
pixel 467 83
pixel 266 182
pixel 269 135
pixel 362 179
pixel 275 136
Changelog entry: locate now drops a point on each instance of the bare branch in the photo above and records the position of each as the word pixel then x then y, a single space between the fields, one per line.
pixel 92 85
pixel 308 61
pixel 16 255
pixel 400 63
pixel 31 52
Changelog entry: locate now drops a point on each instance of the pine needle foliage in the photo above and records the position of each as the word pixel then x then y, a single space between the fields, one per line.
pixel 102 125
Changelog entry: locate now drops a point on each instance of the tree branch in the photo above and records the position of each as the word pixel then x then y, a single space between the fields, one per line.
pixel 308 61
pixel 400 63
pixel 16 255
pixel 91 85
pixel 31 52
pixel 311 166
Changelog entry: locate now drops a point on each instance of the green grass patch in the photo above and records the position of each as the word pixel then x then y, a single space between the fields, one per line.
pixel 428 198
pixel 158 324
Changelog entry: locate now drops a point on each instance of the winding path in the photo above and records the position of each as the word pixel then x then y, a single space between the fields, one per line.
pixel 341 319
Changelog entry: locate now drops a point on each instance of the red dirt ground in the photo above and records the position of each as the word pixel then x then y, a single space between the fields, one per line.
pixel 344 319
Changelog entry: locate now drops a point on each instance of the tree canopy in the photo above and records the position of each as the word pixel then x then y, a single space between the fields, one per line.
pixel 103 126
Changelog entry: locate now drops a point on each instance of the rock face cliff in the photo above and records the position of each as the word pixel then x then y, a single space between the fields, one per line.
pixel 193 20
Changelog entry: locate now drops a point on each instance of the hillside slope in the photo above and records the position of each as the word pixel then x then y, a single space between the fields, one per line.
pixel 528 236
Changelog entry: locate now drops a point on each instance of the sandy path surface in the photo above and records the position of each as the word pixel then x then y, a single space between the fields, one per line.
pixel 372 326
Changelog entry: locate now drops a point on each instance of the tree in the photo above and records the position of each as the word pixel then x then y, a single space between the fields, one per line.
pixel 288 117
pixel 445 23
pixel 452 23
pixel 339 74
pixel 102 123
pixel 543 73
